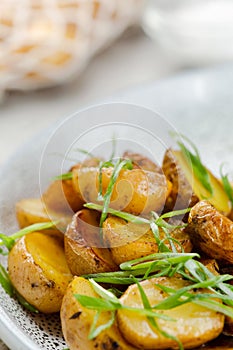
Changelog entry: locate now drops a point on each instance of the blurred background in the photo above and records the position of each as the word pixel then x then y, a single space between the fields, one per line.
pixel 57 56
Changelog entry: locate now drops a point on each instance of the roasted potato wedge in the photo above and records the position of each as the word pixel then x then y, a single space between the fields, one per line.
pixel 180 173
pixel 193 325
pixel 135 191
pixel 128 241
pixel 82 245
pixel 32 210
pixel 211 231
pixel 39 271
pixel 76 321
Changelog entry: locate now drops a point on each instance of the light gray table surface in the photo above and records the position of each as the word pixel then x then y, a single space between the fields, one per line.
pixel 132 60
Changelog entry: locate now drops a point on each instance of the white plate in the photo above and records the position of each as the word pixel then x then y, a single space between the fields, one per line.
pixel 199 104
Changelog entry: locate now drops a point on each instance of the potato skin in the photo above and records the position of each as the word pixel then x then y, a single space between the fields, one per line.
pixel 82 245
pixel 181 195
pixel 194 324
pixel 32 210
pixel 136 191
pixel 189 188
pixel 128 241
pixel 32 270
pixel 211 232
pixel 141 162
pixel 60 196
pixel 76 321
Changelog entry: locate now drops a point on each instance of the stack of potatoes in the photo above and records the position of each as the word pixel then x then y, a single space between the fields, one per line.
pixel 46 268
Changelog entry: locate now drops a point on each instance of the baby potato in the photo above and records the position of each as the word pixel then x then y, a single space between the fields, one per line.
pixel 136 191
pixel 38 270
pixel 141 162
pixel 193 325
pixel 128 241
pixel 82 245
pixel 61 197
pixel 76 322
pixel 211 231
pixel 32 210
pixel 181 195
pixel 187 186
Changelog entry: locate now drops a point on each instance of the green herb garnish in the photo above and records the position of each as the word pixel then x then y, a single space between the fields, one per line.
pixel 5 281
pixel 66 176
pixel 153 265
pixel 102 165
pixel 84 151
pixel 155 222
pixel 183 264
pixel 193 157
pixel 126 164
pixel 227 185
pixel 9 241
pixel 109 302
pixel 152 320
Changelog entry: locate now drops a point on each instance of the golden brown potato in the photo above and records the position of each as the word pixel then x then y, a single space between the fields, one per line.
pixel 32 210
pixel 61 197
pixel 193 325
pixel 182 177
pixel 141 162
pixel 76 322
pixel 129 241
pixel 135 191
pixel 38 270
pixel 211 231
pixel 82 245
pixel 181 195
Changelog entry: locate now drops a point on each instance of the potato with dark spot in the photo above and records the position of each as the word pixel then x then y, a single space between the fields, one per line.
pixel 77 320
pixel 38 270
pixel 211 231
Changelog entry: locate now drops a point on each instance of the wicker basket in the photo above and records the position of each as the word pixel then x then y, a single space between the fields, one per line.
pixel 46 42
